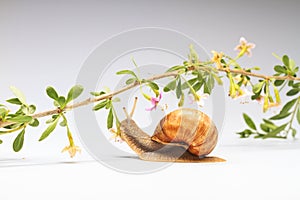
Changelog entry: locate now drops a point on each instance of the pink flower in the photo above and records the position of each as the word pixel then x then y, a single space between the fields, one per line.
pixel 154 102
pixel 244 47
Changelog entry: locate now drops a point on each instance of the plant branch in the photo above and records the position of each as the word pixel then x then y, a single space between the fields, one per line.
pixel 156 77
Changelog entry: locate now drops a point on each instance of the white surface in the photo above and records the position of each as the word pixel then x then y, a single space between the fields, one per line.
pixel 52 39
pixel 269 170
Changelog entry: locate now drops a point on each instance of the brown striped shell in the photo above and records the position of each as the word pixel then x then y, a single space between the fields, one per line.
pixel 189 128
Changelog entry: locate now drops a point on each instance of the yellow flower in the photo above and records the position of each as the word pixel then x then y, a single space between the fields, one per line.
pixel 244 47
pixel 116 135
pixel 274 104
pixel 72 150
pixel 199 98
pixel 217 57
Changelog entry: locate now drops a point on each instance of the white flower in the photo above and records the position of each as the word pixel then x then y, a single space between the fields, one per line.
pixel 199 98
pixel 244 96
pixel 244 47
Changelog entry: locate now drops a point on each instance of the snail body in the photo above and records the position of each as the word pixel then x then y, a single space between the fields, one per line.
pixel 184 135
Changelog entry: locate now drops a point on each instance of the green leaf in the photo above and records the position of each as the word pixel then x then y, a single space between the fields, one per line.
pixel 110 119
pixel 61 101
pixel 198 86
pixel 293 92
pixel 280 69
pixel 1 141
pixel 175 68
pixel 298 115
pixel 269 124
pixel 178 89
pixel 108 105
pixel 21 119
pixel 294 132
pixel 278 82
pixel 74 92
pixel 53 117
pixel 276 56
pixel 31 109
pixel 286 108
pixel 291 83
pixel 18 94
pixel 257 87
pixel 170 86
pixel 3 112
pixel 264 127
pixel 52 93
pixel 273 134
pixel 14 101
pixel 49 129
pixel 130 81
pixel 280 116
pixel 127 72
pixel 191 82
pixel 292 64
pixel 245 134
pixel 193 56
pixel 181 101
pixel 100 105
pixel 116 99
pixel 34 123
pixel 19 141
pixel 218 79
pixel 249 121
pixel 286 61
pixel 63 123
pixel 97 93
pixel 296 85
pixel 209 85
pixel 153 85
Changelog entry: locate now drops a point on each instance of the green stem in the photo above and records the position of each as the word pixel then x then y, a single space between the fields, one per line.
pixel 116 116
pixel 191 88
pixel 294 113
pixel 284 84
pixel 12 130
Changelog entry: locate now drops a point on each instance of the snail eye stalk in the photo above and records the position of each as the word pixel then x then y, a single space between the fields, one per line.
pixel 134 107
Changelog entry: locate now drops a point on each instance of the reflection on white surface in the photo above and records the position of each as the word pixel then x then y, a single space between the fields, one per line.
pixel 257 171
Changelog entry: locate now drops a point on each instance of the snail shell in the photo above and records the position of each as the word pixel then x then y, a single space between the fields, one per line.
pixel 189 128
pixel 184 135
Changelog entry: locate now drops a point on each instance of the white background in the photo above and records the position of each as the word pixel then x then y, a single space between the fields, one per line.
pixel 45 43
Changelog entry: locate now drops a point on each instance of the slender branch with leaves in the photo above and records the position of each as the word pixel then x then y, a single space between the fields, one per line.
pixel 194 78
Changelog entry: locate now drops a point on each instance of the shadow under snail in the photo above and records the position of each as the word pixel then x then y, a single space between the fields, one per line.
pixel 183 135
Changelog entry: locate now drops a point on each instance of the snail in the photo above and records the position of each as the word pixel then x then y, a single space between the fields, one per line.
pixel 184 135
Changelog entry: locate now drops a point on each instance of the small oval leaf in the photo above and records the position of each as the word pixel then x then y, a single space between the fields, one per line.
pixel 286 108
pixel 15 101
pixel 100 105
pixel 249 121
pixel 286 60
pixel 51 93
pixel 110 119
pixel 170 86
pixel 280 116
pixel 293 92
pixel 21 119
pixel 74 92
pixel 49 130
pixel 19 141
pixel 18 94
